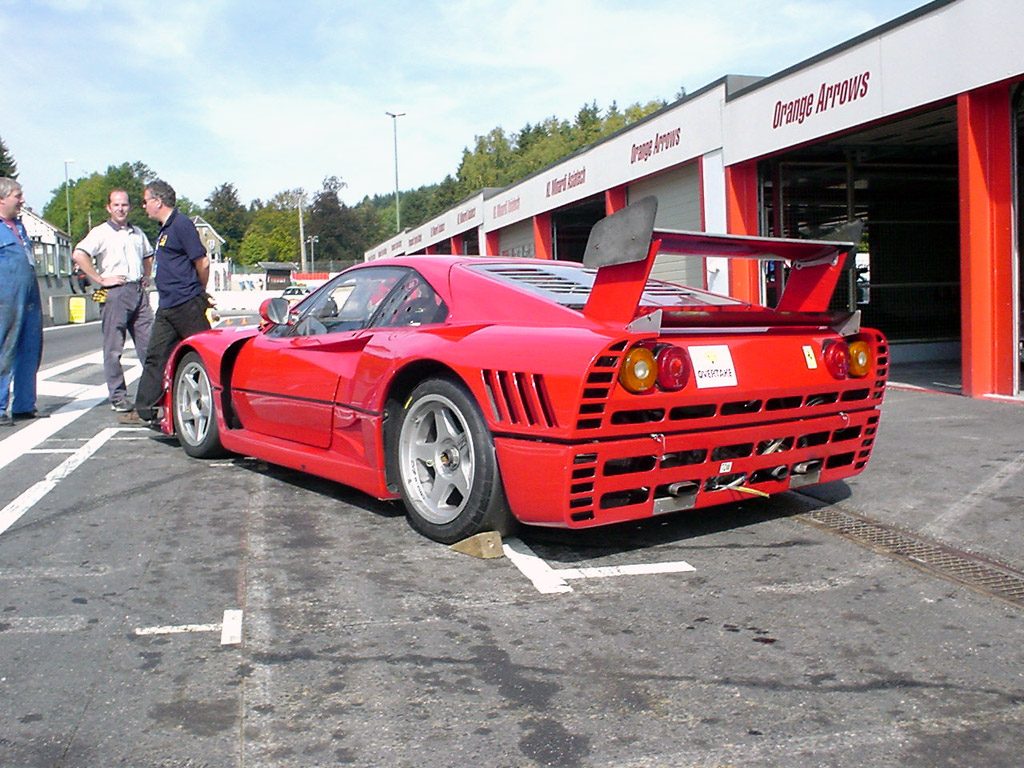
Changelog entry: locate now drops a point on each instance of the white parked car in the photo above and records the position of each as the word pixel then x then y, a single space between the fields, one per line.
pixel 295 293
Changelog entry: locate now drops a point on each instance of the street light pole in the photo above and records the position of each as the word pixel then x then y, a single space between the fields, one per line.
pixel 67 194
pixel 302 232
pixel 398 205
pixel 312 240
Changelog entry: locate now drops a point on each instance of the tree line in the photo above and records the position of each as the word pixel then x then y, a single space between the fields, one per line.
pixel 269 230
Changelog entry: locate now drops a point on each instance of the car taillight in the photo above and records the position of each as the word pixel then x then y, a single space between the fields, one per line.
pixel 673 368
pixel 837 361
pixel 860 358
pixel 639 370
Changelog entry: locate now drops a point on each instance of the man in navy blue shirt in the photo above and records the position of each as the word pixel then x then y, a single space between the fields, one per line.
pixel 182 270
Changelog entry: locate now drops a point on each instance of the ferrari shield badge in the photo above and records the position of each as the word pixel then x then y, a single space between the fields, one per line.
pixel 812 361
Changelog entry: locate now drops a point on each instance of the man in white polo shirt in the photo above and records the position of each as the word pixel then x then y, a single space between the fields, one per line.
pixel 123 264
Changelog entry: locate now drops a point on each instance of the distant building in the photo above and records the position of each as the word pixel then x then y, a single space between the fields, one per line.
pixel 220 268
pixel 51 249
pixel 279 274
pixel 213 242
pixel 50 245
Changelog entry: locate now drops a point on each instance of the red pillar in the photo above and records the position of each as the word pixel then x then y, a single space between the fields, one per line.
pixel 614 200
pixel 542 236
pixel 984 130
pixel 457 245
pixel 492 244
pixel 742 219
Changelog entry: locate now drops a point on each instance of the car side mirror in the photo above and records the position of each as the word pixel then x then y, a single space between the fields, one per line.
pixel 276 311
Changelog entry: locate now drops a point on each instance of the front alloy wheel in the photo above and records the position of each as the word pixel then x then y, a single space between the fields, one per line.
pixel 195 416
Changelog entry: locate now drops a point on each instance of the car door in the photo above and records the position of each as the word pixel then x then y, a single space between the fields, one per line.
pixel 286 380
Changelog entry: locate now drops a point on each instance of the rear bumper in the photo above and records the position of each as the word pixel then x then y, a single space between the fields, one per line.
pixel 601 482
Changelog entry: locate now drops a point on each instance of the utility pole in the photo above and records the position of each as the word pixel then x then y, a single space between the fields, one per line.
pixel 302 231
pixel 67 197
pixel 398 205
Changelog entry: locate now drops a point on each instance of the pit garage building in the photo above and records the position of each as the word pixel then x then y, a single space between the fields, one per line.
pixel 915 128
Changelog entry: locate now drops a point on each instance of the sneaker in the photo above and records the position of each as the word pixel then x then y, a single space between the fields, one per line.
pixel 121 406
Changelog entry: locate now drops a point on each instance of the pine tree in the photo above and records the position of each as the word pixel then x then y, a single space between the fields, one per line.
pixel 228 216
pixel 8 167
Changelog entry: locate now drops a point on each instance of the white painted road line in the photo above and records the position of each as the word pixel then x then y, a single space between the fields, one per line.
pixel 93 358
pixel 231 634
pixel 10 514
pixel 549 581
pixel 176 630
pixel 963 506
pixel 84 398
pixel 44 625
pixel 639 569
pixel 65 572
pixel 29 437
pixel 543 576
pixel 230 629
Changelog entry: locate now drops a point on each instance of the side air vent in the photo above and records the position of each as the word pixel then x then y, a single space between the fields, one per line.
pixel 518 398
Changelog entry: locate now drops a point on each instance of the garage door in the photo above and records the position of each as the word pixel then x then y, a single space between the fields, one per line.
pixel 516 241
pixel 678 193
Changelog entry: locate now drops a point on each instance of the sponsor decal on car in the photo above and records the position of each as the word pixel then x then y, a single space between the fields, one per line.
pixel 713 366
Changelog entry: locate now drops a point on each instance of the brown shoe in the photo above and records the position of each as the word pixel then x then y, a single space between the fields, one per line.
pixel 131 418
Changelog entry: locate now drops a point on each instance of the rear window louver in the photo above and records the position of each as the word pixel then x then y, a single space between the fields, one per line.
pixel 544 281
pixel 571 285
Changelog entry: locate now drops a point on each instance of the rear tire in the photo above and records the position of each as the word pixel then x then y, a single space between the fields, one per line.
pixel 194 409
pixel 447 469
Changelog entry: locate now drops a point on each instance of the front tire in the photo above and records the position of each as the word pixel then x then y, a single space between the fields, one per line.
pixel 194 409
pixel 447 467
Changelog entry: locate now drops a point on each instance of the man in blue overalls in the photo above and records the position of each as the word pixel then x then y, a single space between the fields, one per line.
pixel 21 314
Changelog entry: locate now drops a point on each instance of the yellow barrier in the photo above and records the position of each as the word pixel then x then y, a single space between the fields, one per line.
pixel 76 309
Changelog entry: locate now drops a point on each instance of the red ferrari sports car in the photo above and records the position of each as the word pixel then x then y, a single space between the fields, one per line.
pixel 484 391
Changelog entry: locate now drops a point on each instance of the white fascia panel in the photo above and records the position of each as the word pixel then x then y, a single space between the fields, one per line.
pixel 955 49
pixel 670 139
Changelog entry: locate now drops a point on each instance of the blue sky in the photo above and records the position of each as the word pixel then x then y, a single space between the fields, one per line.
pixel 273 96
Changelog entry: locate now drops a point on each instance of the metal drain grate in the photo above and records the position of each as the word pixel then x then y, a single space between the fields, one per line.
pixel 993 578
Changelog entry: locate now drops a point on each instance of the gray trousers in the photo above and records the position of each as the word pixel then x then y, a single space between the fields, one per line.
pixel 125 311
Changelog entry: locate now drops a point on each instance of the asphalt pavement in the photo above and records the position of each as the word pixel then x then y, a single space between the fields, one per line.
pixel 946 467
pixel 868 623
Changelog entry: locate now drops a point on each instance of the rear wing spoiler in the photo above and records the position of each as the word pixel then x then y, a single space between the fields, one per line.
pixel 622 248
